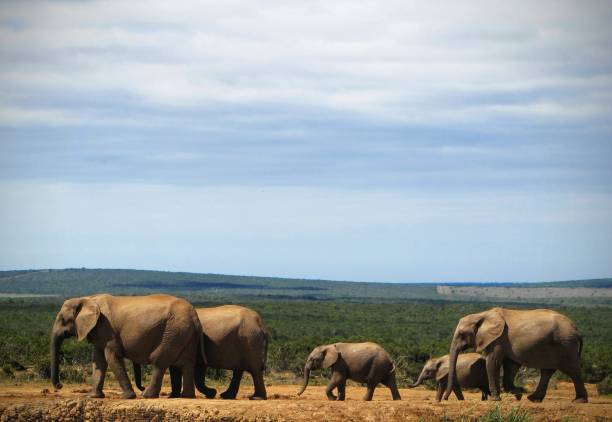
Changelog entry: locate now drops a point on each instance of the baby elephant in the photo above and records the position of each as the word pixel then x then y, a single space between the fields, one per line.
pixel 362 362
pixel 471 373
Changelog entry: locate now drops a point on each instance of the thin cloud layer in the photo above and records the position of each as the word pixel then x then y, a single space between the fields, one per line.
pixel 461 104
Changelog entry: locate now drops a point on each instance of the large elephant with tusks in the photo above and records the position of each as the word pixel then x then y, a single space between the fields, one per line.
pixel 540 338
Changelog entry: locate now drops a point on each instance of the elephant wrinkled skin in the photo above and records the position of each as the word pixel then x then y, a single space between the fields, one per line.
pixel 161 330
pixel 366 363
pixel 540 338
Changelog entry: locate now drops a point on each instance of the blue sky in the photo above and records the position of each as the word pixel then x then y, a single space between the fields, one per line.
pixel 469 141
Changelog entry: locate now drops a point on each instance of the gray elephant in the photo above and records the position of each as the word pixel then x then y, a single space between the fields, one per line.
pixel 471 372
pixel 541 339
pixel 235 338
pixel 161 330
pixel 366 363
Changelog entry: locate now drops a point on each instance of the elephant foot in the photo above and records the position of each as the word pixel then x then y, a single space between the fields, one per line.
pixel 210 393
pixel 150 395
pixel 535 398
pixel 174 396
pixel 96 395
pixel 128 395
pixel 188 395
pixel 254 397
pixel 228 395
pixel 332 397
pixel 495 398
pixel 518 396
pixel 580 400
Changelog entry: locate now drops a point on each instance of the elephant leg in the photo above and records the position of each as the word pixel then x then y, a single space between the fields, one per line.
pixel 573 371
pixel 483 396
pixel 510 370
pixel 342 389
pixel 492 361
pixel 458 392
pixel 200 381
pixel 370 391
pixel 232 390
pixel 540 391
pixel 118 367
pixel 260 386
pixel 390 382
pixel 152 391
pixel 336 379
pixel 176 380
pixel 99 372
pixel 440 391
pixel 188 381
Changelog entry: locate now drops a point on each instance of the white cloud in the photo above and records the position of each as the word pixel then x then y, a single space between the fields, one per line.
pixel 399 62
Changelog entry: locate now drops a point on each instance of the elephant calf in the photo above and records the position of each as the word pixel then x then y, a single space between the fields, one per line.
pixel 366 363
pixel 471 373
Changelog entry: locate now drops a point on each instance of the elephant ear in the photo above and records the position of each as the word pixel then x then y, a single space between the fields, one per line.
pixel 442 369
pixel 87 318
pixel 331 356
pixel 490 328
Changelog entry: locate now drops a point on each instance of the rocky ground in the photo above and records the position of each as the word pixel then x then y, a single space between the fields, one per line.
pixel 38 402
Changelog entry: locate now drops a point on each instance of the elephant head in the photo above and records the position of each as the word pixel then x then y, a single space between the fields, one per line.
pixel 475 330
pixel 321 357
pixel 77 317
pixel 433 369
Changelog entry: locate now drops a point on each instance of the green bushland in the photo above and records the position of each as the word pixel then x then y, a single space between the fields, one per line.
pixel 411 332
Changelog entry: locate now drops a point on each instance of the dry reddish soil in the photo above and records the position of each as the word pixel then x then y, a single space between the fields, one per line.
pixel 35 402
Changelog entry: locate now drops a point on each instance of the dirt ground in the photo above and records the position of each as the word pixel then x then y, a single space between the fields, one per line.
pixel 39 402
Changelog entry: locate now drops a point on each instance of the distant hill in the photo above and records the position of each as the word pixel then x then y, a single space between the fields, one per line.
pixel 83 281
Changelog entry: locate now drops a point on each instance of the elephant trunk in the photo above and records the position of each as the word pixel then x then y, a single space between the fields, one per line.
pixel 420 380
pixel 306 378
pixel 56 344
pixel 452 366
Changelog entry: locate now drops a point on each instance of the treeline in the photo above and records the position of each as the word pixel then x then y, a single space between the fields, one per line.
pixel 411 332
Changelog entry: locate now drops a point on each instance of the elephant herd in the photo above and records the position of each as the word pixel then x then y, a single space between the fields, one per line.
pixel 169 333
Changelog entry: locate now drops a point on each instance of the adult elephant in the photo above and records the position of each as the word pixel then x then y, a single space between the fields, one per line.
pixel 539 338
pixel 235 338
pixel 161 330
pixel 366 363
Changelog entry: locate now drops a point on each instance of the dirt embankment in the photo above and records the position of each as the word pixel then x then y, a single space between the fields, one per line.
pixel 35 402
pixel 524 292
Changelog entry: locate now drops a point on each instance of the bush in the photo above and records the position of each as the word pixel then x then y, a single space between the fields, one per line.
pixel 8 371
pixel 605 386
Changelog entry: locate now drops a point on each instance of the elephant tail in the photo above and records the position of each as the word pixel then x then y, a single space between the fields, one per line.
pixel 580 347
pixel 201 356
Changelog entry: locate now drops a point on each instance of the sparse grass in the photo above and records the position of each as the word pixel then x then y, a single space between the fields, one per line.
pixel 516 414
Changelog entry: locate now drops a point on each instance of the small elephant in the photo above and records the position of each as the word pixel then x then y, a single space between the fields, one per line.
pixel 158 329
pixel 471 373
pixel 540 338
pixel 235 338
pixel 366 363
